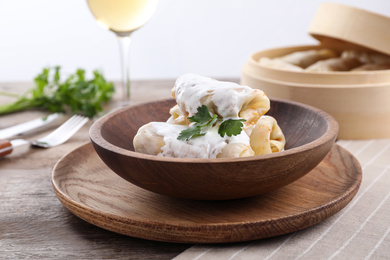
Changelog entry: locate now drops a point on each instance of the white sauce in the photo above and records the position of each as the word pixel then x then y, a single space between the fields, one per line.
pixel 207 146
pixel 228 97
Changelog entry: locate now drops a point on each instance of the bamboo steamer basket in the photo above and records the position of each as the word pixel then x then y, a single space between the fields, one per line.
pixel 359 100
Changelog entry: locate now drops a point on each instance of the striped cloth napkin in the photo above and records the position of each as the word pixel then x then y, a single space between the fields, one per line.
pixel 359 231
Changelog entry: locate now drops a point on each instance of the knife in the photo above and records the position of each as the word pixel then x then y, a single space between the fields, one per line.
pixel 6 147
pixel 30 126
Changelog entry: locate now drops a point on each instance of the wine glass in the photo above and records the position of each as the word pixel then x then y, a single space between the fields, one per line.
pixel 123 17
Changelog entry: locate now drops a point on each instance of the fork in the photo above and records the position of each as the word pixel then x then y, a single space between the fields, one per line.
pixel 62 133
pixel 57 137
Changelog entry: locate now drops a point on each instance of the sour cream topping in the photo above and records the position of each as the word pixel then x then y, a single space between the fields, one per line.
pixel 207 146
pixel 192 91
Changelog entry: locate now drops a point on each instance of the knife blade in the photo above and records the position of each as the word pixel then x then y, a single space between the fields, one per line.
pixel 6 147
pixel 30 126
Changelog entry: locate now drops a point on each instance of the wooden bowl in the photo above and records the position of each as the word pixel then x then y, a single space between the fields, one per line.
pixel 310 134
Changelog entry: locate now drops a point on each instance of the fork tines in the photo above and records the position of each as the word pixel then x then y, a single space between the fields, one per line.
pixel 62 133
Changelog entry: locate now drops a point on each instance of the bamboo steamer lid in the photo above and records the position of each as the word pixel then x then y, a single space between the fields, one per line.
pixel 345 24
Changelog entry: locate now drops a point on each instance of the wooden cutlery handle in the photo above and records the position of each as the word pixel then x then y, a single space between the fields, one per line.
pixel 5 147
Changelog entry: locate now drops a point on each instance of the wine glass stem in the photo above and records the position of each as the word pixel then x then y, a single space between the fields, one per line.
pixel 124 48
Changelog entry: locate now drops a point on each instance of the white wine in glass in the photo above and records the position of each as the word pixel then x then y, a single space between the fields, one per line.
pixel 123 17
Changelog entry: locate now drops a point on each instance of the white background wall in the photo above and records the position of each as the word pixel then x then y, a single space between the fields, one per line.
pixel 209 37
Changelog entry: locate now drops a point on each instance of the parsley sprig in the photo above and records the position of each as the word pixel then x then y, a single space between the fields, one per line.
pixel 203 119
pixel 75 93
pixel 231 127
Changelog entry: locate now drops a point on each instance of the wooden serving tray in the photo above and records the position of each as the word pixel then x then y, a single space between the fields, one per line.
pixel 91 191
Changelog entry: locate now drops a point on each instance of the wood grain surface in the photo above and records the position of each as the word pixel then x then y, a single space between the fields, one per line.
pixel 33 222
pixel 88 188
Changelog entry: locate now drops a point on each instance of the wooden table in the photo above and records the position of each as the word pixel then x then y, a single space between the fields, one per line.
pixel 34 224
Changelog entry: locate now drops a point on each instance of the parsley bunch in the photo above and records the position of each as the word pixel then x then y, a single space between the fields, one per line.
pixel 75 93
pixel 203 119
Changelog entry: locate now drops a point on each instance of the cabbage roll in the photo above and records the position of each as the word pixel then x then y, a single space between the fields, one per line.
pixel 366 57
pixel 266 136
pixel 160 138
pixel 177 117
pixel 260 134
pixel 225 99
pixel 374 66
pixel 304 59
pixel 278 64
pixel 335 64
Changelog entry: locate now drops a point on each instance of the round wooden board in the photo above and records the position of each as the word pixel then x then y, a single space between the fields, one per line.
pixel 91 191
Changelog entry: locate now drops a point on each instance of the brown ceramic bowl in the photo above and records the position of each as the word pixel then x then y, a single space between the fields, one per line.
pixel 310 134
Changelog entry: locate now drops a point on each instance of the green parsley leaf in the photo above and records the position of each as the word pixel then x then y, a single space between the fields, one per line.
pixel 202 116
pixel 203 119
pixel 231 127
pixel 189 133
